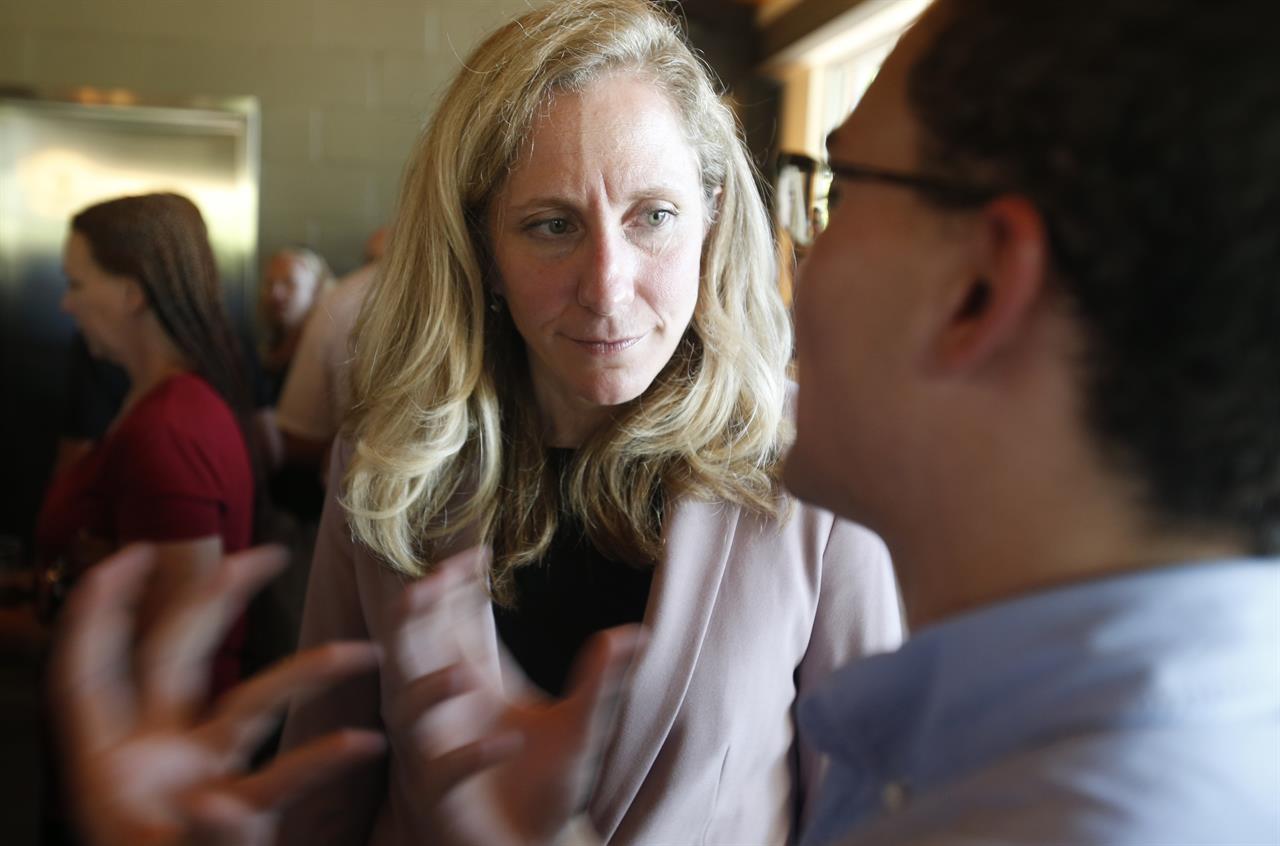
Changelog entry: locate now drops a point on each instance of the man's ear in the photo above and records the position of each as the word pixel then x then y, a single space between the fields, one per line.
pixel 994 306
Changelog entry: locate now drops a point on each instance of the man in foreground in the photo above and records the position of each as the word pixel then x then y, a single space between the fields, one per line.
pixel 1039 354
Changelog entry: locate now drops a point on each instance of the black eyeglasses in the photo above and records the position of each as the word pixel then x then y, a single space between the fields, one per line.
pixel 804 190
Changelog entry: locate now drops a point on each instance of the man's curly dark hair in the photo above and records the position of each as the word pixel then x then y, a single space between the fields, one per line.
pixel 1147 133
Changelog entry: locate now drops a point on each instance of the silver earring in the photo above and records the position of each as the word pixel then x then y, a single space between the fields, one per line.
pixel 495 303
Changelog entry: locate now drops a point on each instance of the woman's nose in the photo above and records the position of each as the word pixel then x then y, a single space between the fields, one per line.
pixel 608 281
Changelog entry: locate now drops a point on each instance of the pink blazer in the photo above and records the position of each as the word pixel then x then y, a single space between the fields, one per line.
pixel 744 616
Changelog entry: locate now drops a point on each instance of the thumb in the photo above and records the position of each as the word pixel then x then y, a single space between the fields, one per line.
pixel 214 818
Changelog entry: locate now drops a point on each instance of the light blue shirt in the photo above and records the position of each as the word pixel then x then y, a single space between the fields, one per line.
pixel 1141 709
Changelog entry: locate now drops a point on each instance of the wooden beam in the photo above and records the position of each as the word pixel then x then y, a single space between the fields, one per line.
pixel 799 21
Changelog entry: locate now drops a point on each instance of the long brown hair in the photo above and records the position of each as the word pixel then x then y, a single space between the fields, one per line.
pixel 160 240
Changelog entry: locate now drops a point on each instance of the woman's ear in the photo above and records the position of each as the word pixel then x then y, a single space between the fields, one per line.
pixel 496 302
pixel 713 210
pixel 493 284
pixel 134 295
pixel 994 307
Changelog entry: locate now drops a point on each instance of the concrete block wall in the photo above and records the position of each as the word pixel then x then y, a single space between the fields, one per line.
pixel 344 86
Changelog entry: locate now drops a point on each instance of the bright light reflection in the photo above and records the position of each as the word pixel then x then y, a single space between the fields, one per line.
pixel 56 183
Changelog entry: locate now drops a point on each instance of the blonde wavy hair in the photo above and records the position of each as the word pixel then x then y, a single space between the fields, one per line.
pixel 448 440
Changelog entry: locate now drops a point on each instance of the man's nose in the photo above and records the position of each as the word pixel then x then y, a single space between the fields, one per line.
pixel 608 281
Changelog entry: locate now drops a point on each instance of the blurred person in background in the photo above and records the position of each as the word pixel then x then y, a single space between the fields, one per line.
pixel 316 395
pixel 177 465
pixel 293 281
pixel 301 430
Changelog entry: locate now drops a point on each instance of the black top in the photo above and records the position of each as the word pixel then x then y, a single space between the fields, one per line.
pixel 565 598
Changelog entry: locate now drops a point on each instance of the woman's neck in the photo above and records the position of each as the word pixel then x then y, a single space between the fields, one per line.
pixel 568 421
pixel 152 362
pixel 156 374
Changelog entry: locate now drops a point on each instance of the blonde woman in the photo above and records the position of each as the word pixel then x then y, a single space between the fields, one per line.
pixel 575 355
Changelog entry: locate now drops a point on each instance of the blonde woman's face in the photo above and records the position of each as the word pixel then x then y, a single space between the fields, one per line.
pixel 597 237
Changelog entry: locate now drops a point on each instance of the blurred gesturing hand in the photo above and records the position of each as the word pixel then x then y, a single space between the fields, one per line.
pixel 493 767
pixel 147 764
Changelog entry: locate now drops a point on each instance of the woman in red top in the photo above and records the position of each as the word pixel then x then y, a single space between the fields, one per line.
pixel 175 468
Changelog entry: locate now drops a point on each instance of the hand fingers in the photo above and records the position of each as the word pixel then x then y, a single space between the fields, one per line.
pixel 566 741
pixel 439 775
pixel 470 606
pixel 216 818
pixel 174 659
pixel 604 661
pixel 426 692
pixel 426 594
pixel 298 770
pixel 243 813
pixel 425 637
pixel 248 713
pixel 90 674
pixel 598 675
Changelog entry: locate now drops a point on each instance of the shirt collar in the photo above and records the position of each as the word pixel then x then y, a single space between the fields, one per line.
pixel 973 687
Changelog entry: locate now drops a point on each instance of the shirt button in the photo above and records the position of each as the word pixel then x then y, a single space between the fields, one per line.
pixel 894 795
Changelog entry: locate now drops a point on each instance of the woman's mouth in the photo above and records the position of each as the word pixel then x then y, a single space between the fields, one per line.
pixel 606 346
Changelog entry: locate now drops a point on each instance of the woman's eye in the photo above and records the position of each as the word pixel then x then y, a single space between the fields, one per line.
pixel 554 226
pixel 658 217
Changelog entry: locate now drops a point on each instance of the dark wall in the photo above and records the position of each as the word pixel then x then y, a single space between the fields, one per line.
pixel 725 33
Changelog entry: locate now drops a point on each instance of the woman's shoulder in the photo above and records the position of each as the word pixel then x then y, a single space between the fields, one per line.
pixel 183 398
pixel 793 521
pixel 183 411
pixel 189 388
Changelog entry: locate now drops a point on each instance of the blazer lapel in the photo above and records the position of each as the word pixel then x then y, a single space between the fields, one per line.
pixel 699 537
